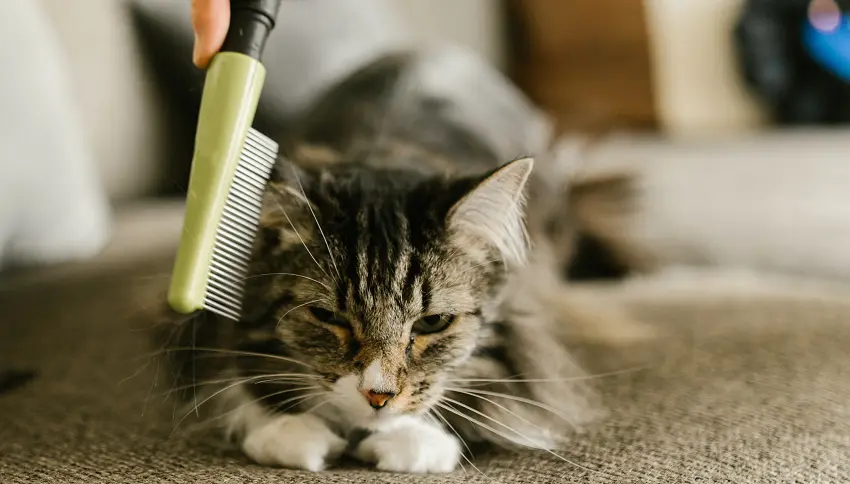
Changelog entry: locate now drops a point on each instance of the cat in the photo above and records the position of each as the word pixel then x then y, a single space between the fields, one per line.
pixel 400 304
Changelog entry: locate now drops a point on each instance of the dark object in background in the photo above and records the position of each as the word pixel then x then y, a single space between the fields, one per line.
pixel 178 81
pixel 11 380
pixel 778 67
pixel 593 261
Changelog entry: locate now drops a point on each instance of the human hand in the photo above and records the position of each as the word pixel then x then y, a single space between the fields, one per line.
pixel 210 20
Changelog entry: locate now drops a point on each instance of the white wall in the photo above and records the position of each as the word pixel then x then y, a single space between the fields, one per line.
pixel 477 24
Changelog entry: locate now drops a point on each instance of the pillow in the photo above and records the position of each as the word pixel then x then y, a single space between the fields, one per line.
pixel 52 205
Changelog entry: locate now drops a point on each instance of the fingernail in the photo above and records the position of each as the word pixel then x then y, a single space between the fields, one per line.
pixel 196 52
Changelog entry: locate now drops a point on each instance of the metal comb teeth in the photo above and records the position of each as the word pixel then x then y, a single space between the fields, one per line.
pixel 234 237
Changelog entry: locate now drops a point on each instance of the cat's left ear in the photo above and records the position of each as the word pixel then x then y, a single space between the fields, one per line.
pixel 492 212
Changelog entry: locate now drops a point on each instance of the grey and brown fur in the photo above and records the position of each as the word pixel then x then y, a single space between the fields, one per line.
pixel 363 219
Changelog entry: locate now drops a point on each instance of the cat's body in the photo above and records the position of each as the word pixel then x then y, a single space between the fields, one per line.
pixel 394 303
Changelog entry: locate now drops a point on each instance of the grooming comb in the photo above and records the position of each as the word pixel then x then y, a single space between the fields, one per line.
pixel 230 168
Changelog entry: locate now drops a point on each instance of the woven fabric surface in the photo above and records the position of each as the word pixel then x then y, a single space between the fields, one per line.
pixel 739 391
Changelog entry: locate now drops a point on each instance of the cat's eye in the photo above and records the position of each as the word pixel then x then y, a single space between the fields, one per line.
pixel 327 317
pixel 433 323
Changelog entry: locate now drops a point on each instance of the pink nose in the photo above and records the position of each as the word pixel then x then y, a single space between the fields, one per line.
pixel 377 400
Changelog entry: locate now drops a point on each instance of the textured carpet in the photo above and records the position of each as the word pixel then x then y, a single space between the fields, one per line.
pixel 740 391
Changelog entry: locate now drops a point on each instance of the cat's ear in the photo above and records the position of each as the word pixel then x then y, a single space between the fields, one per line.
pixel 492 212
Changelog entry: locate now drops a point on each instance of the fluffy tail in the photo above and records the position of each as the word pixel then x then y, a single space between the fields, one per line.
pixel 580 221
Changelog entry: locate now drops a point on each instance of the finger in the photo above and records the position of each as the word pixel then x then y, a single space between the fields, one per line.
pixel 210 19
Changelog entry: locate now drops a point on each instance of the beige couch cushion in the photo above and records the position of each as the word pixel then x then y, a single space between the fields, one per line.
pixel 744 387
pixel 773 201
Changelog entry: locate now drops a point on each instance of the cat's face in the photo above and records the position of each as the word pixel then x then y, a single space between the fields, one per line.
pixel 379 282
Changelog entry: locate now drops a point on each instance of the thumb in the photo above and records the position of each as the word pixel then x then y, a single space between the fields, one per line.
pixel 210 19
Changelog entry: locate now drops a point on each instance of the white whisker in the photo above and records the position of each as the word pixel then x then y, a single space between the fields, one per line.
pixel 232 352
pixel 491 429
pixel 271 378
pixel 298 400
pixel 315 407
pixel 194 362
pixel 190 321
pixel 150 388
pixel 310 207
pixel 254 401
pixel 288 274
pixel 467 459
pixel 197 405
pixel 296 231
pixel 477 393
pixel 287 380
pixel 429 416
pixel 177 323
pixel 506 409
pixel 549 380
pixel 294 308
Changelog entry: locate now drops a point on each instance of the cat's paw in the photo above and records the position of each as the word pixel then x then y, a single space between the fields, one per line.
pixel 295 441
pixel 411 446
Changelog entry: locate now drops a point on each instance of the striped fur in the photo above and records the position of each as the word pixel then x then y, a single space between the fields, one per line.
pixel 380 216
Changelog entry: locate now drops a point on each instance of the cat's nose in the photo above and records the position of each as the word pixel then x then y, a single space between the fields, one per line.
pixel 377 400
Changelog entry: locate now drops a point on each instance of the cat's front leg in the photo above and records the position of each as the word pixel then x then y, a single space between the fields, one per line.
pixel 411 445
pixel 299 441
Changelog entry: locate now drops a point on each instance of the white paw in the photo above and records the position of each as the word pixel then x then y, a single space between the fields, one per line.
pixel 411 446
pixel 296 441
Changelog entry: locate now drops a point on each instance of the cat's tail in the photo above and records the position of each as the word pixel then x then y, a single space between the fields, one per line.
pixel 580 217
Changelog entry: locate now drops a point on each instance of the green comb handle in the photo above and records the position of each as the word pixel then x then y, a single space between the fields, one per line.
pixel 231 93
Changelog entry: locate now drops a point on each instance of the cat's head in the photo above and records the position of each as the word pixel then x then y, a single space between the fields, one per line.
pixel 379 281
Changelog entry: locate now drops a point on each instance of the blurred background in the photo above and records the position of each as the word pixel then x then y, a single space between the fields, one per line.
pixel 732 112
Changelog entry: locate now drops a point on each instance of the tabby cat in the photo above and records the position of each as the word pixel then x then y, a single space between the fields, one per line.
pixel 397 308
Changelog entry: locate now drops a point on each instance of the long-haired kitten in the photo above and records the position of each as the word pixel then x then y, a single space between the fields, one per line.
pixel 396 308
